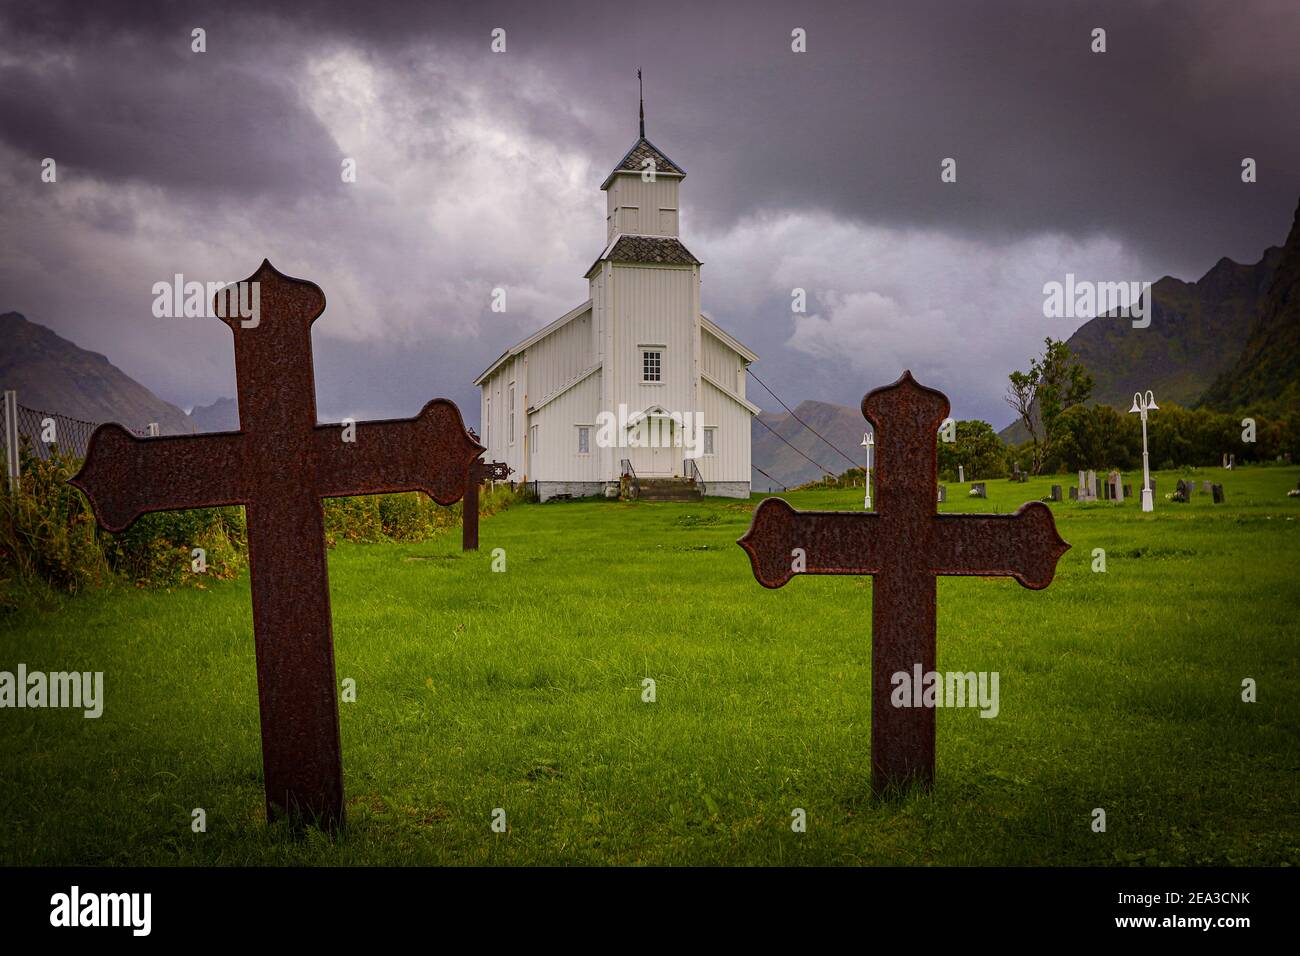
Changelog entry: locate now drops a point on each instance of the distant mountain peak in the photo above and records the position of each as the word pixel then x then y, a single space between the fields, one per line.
pixel 52 374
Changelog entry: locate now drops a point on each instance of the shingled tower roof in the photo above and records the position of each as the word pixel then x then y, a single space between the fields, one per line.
pixel 642 150
pixel 660 250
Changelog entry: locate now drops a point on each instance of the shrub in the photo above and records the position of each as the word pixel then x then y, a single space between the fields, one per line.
pixel 49 539
pixel 47 532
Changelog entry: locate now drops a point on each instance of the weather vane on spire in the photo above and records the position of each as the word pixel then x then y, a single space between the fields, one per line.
pixel 641 91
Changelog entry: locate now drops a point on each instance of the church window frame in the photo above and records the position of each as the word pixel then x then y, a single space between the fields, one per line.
pixel 653 362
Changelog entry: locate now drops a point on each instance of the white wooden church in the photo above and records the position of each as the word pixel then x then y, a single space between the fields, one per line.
pixel 637 380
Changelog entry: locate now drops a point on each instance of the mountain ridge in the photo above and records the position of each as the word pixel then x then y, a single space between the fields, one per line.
pixel 52 374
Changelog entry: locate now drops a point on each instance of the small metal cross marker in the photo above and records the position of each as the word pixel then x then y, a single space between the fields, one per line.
pixel 479 472
pixel 279 465
pixel 904 545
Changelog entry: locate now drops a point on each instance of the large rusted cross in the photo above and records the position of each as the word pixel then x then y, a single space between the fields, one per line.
pixel 279 466
pixel 903 545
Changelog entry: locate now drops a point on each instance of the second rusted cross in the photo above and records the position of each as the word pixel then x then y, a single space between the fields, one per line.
pixel 903 545
pixel 479 472
pixel 279 465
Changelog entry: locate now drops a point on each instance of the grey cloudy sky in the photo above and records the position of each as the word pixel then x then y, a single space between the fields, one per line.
pixel 476 170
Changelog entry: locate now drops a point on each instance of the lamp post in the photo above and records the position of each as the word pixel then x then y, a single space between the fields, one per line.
pixel 1143 404
pixel 868 443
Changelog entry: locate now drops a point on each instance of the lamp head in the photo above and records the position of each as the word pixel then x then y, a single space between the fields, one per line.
pixel 1137 402
pixel 1151 402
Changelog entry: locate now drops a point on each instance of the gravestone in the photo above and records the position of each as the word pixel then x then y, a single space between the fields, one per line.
pixel 279 466
pixel 943 494
pixel 1092 486
pixel 1205 487
pixel 1217 492
pixel 1183 491
pixel 1128 491
pixel 1023 476
pixel 904 545
pixel 961 474
pixel 977 490
pixel 1074 493
pixel 1056 492
pixel 1083 494
pixel 1105 491
pixel 1116 483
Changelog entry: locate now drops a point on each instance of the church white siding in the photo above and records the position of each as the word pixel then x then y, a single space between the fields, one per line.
pixel 722 363
pixel 556 359
pixel 590 365
pixel 557 452
pixel 731 442
pixel 651 309
pixel 637 207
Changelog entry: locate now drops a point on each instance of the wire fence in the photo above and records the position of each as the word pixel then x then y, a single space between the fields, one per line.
pixel 44 434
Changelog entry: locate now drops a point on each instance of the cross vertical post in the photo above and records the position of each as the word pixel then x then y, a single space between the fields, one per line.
pixel 479 472
pixel 903 545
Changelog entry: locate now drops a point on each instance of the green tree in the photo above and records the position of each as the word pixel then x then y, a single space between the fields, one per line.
pixel 1055 382
pixel 977 449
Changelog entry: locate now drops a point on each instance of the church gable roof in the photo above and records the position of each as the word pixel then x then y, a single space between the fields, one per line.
pixel 533 339
pixel 642 150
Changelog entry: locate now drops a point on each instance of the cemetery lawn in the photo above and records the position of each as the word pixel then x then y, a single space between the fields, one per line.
pixel 523 690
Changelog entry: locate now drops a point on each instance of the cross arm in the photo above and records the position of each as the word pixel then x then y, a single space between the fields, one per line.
pixel 431 453
pixel 125 477
pixel 833 542
pixel 1024 545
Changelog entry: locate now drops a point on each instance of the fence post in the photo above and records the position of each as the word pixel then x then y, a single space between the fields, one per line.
pixel 11 440
pixel 153 429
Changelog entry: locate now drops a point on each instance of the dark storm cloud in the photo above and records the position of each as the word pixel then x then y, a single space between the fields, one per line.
pixel 1139 147
pixel 1144 141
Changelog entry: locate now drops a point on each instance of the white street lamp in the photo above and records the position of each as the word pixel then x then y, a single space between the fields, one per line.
pixel 868 443
pixel 1143 404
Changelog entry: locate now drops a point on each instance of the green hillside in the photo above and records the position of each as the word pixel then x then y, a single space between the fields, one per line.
pixel 1266 376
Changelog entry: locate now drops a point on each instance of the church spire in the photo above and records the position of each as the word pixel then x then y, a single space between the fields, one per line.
pixel 641 91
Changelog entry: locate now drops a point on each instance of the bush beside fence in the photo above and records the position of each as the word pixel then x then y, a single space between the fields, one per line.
pixel 49 539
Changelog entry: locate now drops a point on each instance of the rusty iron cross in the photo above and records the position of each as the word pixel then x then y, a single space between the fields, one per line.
pixel 904 545
pixel 279 466
pixel 479 472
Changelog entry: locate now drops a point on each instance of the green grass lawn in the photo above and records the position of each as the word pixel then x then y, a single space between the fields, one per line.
pixel 522 690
